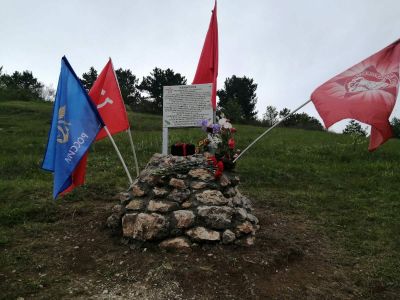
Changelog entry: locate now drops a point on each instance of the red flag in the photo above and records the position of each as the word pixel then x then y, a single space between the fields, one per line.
pixel 106 95
pixel 366 92
pixel 207 69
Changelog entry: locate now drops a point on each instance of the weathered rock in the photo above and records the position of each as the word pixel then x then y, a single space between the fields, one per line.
pixel 183 218
pixel 197 185
pixel 244 228
pixel 230 192
pixel 124 197
pixel 203 234
pixel 137 191
pixel 228 237
pixel 252 218
pixel 135 205
pixel 211 197
pixel 118 210
pixel 114 221
pixel 186 204
pixel 162 206
pixel 202 174
pixel 144 227
pixel 224 181
pixel 151 179
pixel 235 180
pixel 177 183
pixel 218 217
pixel 159 192
pixel 179 195
pixel 240 213
pixel 179 244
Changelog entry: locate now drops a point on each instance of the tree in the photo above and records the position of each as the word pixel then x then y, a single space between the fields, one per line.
pixel 20 86
pixel 128 84
pixel 233 111
pixel 242 90
pixel 89 78
pixel 270 116
pixel 153 85
pixel 395 123
pixel 355 130
pixel 284 113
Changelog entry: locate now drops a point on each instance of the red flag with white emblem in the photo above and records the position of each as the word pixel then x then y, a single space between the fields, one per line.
pixel 366 92
pixel 106 95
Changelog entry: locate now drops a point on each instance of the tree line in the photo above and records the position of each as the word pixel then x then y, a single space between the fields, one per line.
pixel 237 98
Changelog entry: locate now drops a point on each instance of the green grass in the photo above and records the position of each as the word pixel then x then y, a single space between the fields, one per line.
pixel 352 195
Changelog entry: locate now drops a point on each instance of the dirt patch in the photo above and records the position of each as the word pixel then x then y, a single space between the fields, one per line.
pixel 77 257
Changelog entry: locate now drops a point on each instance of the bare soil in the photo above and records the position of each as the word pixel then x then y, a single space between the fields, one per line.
pixel 77 258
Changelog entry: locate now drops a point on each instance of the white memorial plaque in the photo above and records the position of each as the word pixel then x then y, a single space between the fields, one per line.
pixel 186 105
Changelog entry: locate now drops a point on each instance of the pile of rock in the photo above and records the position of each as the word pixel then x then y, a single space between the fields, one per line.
pixel 178 203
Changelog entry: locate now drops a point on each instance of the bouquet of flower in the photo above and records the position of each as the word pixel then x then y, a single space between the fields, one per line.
pixel 220 143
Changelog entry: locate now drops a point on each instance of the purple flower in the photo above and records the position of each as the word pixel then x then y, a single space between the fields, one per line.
pixel 216 128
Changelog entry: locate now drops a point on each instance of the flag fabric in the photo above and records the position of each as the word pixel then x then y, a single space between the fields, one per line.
pixel 366 92
pixel 106 95
pixel 207 69
pixel 74 127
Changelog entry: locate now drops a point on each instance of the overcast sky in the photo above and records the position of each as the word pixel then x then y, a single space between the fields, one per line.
pixel 288 47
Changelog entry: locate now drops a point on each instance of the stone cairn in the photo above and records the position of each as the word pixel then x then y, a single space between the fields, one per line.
pixel 177 202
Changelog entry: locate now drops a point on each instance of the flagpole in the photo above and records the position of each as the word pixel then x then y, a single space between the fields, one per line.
pixel 133 150
pixel 119 154
pixel 269 129
pixel 129 129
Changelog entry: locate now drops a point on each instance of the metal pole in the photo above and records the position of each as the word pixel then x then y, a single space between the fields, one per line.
pixel 119 154
pixel 165 141
pixel 133 150
pixel 269 129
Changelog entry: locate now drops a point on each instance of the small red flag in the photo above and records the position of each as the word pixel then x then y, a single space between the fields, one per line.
pixel 106 95
pixel 366 92
pixel 207 69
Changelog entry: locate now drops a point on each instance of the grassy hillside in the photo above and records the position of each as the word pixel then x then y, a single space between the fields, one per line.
pixel 351 195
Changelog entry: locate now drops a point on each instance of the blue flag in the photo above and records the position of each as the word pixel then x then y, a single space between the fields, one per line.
pixel 74 127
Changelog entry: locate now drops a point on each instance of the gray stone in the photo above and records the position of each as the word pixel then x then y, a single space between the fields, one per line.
pixel 252 218
pixel 124 197
pixel 162 206
pixel 177 183
pixel 179 195
pixel 159 192
pixel 186 204
pixel 230 192
pixel 240 213
pixel 218 217
pixel 118 210
pixel 135 205
pixel 197 185
pixel 200 234
pixel 245 228
pixel 224 181
pixel 202 174
pixel 114 221
pixel 228 237
pixel 235 180
pixel 183 218
pixel 179 244
pixel 144 227
pixel 211 197
pixel 137 191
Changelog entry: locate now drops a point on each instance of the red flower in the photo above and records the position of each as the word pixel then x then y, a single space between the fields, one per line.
pixel 220 169
pixel 233 130
pixel 231 143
